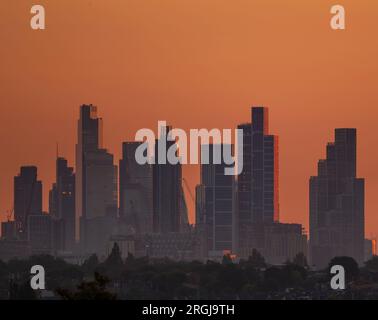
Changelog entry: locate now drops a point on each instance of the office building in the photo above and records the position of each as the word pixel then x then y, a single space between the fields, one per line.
pixel 167 190
pixel 40 231
pixel 337 203
pixel 258 197
pixel 27 199
pixel 215 204
pixel 136 190
pixel 62 206
pixel 95 184
pixel 283 242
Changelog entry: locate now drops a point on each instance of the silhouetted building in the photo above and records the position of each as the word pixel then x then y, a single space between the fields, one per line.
pixel 337 203
pixel 27 199
pixel 215 204
pixel 62 206
pixel 126 244
pixel 89 140
pixel 283 241
pixel 252 237
pixel 8 230
pixel 40 230
pixel 101 185
pixel 167 191
pixel 177 246
pixel 258 183
pixel 14 249
pixel 98 231
pixel 277 242
pixel 136 190
pixel 96 182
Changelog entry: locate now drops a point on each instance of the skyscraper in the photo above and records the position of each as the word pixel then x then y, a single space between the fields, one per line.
pixel 258 183
pixel 337 203
pixel 27 198
pixel 62 205
pixel 167 191
pixel 89 140
pixel 136 190
pixel 101 179
pixel 96 183
pixel 215 205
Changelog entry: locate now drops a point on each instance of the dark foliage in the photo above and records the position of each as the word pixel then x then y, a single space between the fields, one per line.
pixel 89 290
pixel 145 278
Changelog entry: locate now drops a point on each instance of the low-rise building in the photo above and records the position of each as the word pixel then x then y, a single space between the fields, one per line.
pixel 283 241
pixel 10 249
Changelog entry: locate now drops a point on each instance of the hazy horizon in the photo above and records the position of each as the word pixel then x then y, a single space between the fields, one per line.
pixel 195 64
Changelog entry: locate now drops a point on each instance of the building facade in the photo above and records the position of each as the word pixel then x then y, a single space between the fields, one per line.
pixel 337 203
pixel 40 230
pixel 95 184
pixel 283 242
pixel 215 204
pixel 89 140
pixel 257 196
pixel 167 189
pixel 27 199
pixel 62 206
pixel 136 190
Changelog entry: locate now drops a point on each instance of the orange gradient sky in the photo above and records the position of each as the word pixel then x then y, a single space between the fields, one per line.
pixel 196 64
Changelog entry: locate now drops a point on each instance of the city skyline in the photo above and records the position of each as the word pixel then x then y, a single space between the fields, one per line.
pixel 237 214
pixel 204 72
pixel 100 148
pixel 90 138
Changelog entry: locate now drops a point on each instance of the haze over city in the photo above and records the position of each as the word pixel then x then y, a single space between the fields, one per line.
pixel 197 64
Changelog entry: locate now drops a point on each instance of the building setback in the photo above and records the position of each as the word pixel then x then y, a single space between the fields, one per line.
pixel 337 203
pixel 258 197
pixel 96 184
pixel 89 140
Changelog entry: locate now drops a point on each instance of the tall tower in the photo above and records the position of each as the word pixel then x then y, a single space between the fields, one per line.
pixel 167 190
pixel 258 196
pixel 136 190
pixel 62 205
pixel 96 182
pixel 27 198
pixel 337 203
pixel 215 204
pixel 89 140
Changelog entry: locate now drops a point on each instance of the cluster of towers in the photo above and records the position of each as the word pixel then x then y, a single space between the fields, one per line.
pixel 235 214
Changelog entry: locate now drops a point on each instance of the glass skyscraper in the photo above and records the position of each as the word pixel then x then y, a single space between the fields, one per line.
pixel 96 183
pixel 257 194
pixel 215 204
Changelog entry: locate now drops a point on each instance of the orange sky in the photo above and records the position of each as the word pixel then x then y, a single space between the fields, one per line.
pixel 194 63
